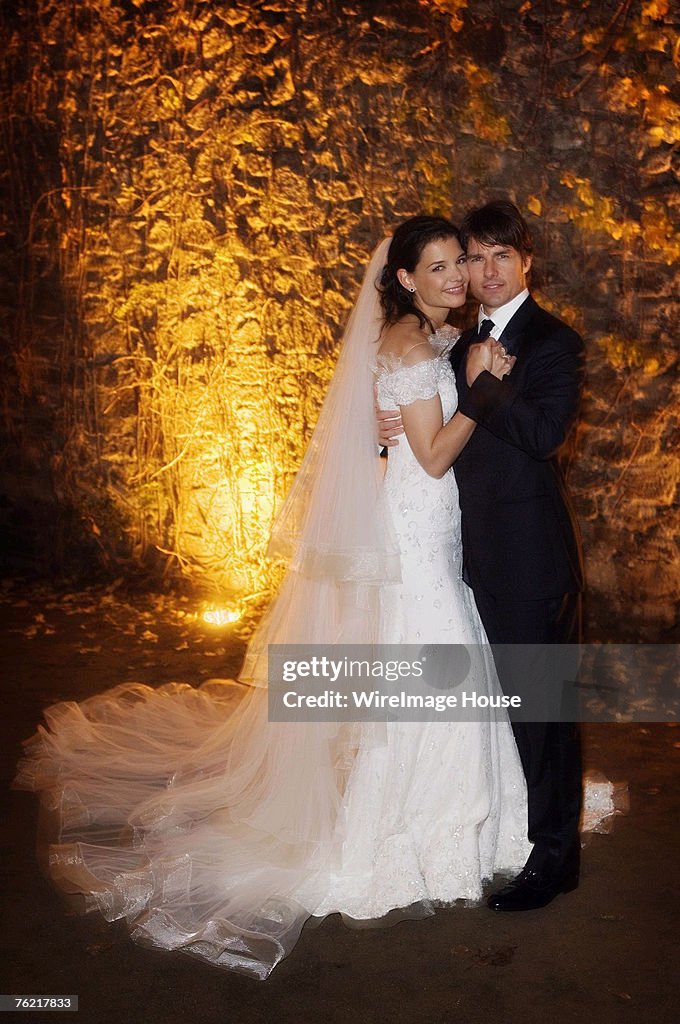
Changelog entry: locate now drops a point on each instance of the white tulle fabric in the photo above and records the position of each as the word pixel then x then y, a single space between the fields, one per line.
pixel 212 830
pixel 334 530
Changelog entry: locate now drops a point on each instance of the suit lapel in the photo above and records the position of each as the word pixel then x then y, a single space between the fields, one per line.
pixel 515 330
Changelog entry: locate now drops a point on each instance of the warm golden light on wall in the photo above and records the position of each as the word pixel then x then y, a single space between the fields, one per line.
pixel 194 201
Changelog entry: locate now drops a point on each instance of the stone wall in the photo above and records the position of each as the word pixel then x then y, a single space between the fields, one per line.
pixel 190 191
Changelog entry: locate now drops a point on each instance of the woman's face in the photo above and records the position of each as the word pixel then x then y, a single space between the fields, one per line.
pixel 440 278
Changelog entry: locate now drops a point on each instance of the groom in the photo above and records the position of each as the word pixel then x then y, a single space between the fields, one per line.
pixel 521 550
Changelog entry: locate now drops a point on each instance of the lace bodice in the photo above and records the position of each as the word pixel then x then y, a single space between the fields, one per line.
pixel 399 384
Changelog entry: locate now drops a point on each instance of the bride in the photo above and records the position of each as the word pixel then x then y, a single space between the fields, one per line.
pixel 215 831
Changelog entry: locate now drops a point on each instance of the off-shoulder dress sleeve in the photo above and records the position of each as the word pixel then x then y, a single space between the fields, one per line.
pixel 407 384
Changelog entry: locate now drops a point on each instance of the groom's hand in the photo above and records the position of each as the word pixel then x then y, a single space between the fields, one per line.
pixel 389 427
pixel 389 423
pixel 479 358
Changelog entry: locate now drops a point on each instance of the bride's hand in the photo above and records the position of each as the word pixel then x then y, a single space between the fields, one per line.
pixel 501 362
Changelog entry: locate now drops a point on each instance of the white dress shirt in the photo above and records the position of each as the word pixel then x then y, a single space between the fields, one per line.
pixel 502 316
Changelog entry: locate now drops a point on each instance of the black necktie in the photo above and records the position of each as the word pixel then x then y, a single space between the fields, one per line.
pixel 485 329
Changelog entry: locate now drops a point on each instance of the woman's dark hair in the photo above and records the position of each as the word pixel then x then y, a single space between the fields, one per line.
pixel 406 247
pixel 497 223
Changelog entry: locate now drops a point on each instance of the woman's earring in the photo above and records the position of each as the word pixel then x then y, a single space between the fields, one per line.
pixel 411 289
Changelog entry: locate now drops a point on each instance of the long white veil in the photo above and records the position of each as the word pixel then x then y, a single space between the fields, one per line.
pixel 334 529
pixel 208 827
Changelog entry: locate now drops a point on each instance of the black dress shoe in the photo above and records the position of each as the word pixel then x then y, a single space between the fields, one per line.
pixel 532 889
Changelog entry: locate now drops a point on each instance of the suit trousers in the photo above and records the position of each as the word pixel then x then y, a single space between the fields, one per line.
pixel 549 750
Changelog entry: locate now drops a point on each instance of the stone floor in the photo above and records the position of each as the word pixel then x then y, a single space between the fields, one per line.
pixel 606 953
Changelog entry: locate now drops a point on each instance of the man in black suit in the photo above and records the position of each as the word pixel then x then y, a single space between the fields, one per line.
pixel 521 550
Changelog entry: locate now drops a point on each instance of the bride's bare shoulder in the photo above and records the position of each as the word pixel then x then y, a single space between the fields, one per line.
pixel 405 338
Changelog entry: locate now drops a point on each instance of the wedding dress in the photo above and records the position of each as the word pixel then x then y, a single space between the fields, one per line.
pixel 214 831
pixel 411 838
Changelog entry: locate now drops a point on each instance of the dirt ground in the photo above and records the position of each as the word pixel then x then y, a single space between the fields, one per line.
pixel 607 952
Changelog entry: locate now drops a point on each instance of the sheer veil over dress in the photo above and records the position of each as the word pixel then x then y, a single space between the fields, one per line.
pixel 214 831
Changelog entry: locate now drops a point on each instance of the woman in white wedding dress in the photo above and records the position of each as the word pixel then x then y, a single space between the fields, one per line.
pixel 211 829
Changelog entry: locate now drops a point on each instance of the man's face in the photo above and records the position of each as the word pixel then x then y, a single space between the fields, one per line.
pixel 497 273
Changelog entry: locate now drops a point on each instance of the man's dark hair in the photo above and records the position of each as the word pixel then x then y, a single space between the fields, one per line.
pixel 497 223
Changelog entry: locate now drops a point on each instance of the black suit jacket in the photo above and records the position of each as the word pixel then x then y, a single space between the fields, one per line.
pixel 520 537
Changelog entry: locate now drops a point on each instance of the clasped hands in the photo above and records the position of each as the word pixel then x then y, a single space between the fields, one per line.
pixel 482 355
pixel 487 355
